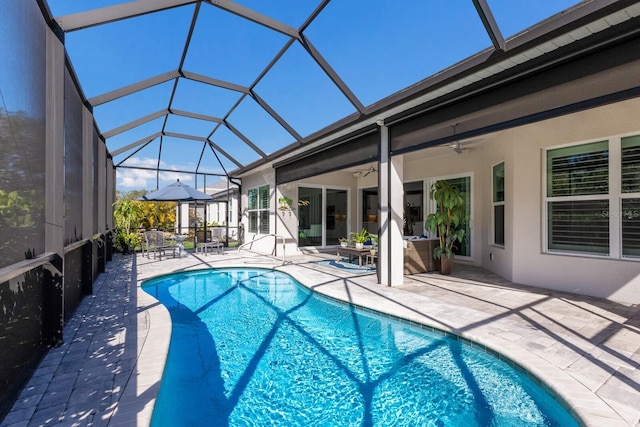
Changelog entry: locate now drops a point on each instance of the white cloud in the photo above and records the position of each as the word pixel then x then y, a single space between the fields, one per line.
pixel 137 179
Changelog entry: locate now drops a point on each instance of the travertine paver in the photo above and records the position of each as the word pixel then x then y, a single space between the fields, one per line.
pixel 108 370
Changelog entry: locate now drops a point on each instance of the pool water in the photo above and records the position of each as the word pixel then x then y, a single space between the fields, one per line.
pixel 252 347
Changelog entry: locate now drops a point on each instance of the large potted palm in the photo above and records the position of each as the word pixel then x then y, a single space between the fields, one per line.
pixel 446 222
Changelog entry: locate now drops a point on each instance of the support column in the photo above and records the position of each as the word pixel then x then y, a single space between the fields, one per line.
pixel 102 186
pixel 87 174
pixel 54 187
pixel 396 205
pixel 52 283
pixel 391 192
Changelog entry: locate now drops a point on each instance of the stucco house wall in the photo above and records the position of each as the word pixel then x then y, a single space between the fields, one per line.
pixel 618 280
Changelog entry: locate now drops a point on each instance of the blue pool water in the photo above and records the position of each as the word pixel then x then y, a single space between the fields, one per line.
pixel 252 347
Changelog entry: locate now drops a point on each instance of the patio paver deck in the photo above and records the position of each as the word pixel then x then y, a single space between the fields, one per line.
pixel 108 370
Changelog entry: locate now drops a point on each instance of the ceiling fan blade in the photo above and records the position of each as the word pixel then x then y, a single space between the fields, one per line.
pixel 455 146
pixel 471 141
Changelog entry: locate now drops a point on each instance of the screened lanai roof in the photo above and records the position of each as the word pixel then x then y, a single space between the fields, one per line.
pixel 183 87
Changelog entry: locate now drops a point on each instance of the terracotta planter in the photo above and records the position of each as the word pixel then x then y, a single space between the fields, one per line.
pixel 446 264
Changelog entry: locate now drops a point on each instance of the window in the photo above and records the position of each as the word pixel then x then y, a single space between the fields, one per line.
pixel 577 197
pixel 259 210
pixel 593 198
pixel 630 198
pixel 498 204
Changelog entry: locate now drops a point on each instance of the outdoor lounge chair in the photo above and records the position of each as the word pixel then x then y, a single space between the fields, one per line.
pixel 154 241
pixel 213 244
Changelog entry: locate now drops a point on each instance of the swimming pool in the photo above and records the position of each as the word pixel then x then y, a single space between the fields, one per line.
pixel 254 347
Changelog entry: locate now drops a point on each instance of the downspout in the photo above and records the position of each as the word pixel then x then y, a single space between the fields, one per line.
pixel 239 184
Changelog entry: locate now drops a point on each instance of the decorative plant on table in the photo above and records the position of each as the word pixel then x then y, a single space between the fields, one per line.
pixel 446 222
pixel 374 244
pixel 343 241
pixel 359 237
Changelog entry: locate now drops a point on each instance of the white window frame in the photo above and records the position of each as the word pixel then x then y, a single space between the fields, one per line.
pixel 258 210
pixel 494 204
pixel 614 197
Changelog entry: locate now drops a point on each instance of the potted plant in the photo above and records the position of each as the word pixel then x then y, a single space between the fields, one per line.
pixel 446 222
pixel 374 244
pixel 359 237
pixel 285 204
pixel 343 241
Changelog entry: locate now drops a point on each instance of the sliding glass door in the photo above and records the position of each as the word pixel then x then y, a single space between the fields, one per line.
pixel 462 249
pixel 336 216
pixel 309 216
pixel 322 216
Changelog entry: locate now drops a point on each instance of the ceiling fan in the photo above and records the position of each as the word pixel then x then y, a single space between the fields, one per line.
pixel 368 171
pixel 457 145
pixel 364 172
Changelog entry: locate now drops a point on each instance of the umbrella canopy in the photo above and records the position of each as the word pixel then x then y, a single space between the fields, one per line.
pixel 176 192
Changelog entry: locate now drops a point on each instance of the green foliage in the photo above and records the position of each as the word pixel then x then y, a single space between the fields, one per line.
pixel 285 203
pixel 360 236
pixel 134 213
pixel 447 221
pixel 16 206
pixel 160 215
pixel 127 215
pixel 127 242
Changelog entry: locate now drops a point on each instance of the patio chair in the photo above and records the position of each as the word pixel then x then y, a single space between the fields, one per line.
pixel 154 241
pixel 204 246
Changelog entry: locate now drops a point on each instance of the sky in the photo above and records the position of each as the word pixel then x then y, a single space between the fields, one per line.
pixel 376 50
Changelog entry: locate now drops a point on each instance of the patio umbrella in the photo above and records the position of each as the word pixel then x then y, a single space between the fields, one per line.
pixel 176 192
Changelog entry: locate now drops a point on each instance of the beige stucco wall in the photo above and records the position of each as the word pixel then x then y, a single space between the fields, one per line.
pixel 614 279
